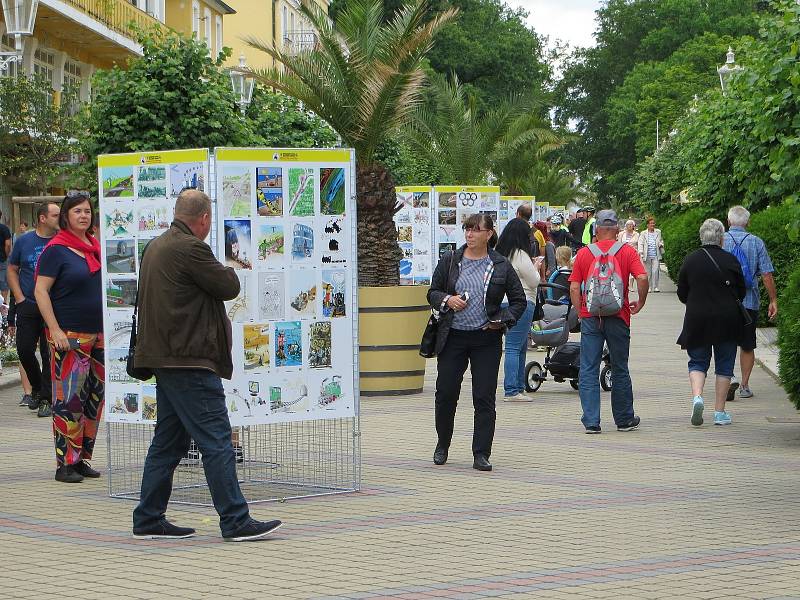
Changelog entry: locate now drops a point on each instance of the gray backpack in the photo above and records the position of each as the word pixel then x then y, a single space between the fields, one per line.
pixel 604 289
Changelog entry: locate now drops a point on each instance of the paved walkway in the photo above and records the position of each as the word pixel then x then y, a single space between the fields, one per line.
pixel 664 512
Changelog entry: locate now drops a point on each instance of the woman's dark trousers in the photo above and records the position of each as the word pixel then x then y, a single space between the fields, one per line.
pixel 482 350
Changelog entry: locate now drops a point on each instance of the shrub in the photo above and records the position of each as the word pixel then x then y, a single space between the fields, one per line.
pixel 8 355
pixel 681 235
pixel 770 226
pixel 789 335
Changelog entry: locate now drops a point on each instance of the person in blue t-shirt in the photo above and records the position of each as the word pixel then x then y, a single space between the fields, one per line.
pixel 757 264
pixel 29 323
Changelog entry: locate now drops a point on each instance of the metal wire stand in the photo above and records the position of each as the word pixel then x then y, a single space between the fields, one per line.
pixel 274 462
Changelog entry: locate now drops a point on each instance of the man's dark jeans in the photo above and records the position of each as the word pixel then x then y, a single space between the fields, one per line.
pixel 481 350
pixel 191 406
pixel 30 332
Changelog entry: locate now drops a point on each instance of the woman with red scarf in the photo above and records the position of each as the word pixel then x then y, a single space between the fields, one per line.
pixel 69 295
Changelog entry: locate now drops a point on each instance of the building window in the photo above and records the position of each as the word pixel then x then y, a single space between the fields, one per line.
pixel 207 27
pixel 196 19
pixel 73 78
pixel 44 66
pixel 285 25
pixel 219 33
pixel 7 45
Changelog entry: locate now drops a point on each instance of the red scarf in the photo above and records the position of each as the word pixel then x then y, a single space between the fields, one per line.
pixel 91 251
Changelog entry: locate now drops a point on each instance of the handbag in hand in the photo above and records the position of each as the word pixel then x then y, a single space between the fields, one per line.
pixel 746 318
pixel 427 347
pixel 140 373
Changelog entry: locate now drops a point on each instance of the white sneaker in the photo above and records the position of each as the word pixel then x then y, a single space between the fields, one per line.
pixel 697 411
pixel 517 398
pixel 656 290
pixel 745 392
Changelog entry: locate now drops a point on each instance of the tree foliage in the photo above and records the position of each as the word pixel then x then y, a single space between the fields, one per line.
pixel 641 32
pixel 279 121
pixel 35 134
pixel 465 146
pixel 742 148
pixel 174 96
pixel 492 51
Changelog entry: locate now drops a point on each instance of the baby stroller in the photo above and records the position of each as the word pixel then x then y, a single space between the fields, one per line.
pixel 562 358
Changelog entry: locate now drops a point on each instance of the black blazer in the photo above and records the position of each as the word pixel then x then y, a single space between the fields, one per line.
pixel 504 282
pixel 712 314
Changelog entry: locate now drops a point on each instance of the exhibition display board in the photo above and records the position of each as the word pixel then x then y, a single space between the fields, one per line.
pixel 286 224
pixel 453 204
pixel 414 228
pixel 137 198
pixel 285 221
pixel 509 206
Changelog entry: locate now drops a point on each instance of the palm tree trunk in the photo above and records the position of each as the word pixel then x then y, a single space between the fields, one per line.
pixel 378 253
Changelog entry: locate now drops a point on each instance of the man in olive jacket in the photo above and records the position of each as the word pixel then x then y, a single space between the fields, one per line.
pixel 184 337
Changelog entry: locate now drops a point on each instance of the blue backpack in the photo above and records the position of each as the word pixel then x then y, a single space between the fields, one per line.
pixel 749 280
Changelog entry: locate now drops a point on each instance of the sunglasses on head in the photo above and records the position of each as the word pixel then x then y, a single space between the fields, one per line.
pixel 78 194
pixel 473 229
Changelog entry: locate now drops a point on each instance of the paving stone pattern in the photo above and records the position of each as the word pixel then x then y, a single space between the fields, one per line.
pixel 668 511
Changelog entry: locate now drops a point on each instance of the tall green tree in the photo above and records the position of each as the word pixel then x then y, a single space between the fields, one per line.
pixel 553 183
pixel 629 33
pixel 363 77
pixel 174 96
pixel 35 134
pixel 463 144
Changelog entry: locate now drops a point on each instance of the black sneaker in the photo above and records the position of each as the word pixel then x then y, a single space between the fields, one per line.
pixel 26 400
pixel 253 530
pixel 85 469
pixel 630 425
pixel 163 530
pixel 44 409
pixel 593 429
pixel 34 402
pixel 68 474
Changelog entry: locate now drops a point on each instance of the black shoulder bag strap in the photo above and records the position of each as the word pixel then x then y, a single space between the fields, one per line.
pixel 140 373
pixel 748 320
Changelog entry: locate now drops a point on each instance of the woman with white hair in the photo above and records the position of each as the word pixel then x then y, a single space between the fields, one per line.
pixel 711 285
pixel 629 235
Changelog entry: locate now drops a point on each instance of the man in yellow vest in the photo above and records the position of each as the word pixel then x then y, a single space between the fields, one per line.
pixel 588 229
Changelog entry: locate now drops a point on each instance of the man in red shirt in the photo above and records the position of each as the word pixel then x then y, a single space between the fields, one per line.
pixel 614 330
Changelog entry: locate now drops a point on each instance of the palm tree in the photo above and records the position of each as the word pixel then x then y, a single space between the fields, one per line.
pixel 463 144
pixel 552 183
pixel 363 77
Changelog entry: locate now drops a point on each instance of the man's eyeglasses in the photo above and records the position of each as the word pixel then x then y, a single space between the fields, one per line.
pixel 473 229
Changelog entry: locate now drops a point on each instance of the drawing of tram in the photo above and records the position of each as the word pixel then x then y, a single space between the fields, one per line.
pixel 302 241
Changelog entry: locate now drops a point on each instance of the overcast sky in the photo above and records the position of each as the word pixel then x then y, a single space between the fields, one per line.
pixel 571 21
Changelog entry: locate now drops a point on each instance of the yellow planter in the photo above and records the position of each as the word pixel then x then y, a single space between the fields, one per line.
pixel 391 322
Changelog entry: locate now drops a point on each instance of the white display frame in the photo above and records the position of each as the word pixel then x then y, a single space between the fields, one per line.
pixel 420 245
pixel 449 235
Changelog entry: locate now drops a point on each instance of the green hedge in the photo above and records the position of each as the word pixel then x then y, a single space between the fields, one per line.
pixel 681 235
pixel 789 335
pixel 770 226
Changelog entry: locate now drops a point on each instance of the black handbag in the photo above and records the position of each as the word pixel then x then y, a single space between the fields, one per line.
pixel 746 318
pixel 427 347
pixel 140 373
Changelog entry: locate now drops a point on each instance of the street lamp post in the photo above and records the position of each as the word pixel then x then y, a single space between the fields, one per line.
pixel 729 68
pixel 19 17
pixel 242 84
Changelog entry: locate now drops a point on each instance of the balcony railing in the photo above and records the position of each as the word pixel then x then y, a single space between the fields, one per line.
pixel 295 42
pixel 118 15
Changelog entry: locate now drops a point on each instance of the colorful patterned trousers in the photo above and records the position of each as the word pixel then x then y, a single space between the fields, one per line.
pixel 78 376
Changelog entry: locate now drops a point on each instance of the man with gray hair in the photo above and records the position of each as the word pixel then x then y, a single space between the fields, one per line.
pixel 751 252
pixel 184 338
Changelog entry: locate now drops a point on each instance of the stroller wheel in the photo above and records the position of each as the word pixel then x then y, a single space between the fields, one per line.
pixel 605 379
pixel 574 383
pixel 534 375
